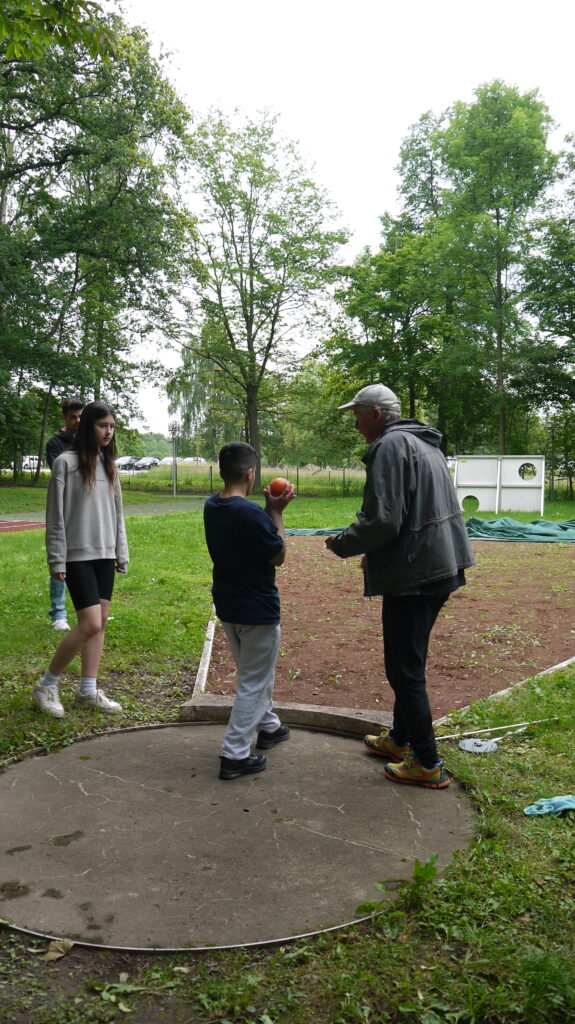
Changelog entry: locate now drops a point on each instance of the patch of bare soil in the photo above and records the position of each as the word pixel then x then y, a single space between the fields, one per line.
pixel 513 619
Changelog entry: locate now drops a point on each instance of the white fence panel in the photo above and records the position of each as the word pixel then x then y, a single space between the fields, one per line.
pixel 502 483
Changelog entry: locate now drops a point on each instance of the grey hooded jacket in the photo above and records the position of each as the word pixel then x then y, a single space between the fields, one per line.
pixel 81 524
pixel 410 526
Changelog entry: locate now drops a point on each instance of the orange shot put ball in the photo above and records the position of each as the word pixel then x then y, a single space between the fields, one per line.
pixel 278 486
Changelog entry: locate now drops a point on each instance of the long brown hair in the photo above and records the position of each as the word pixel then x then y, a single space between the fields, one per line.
pixel 87 450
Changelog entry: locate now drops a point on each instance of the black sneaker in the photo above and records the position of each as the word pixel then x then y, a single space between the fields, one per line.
pixel 269 739
pixel 232 769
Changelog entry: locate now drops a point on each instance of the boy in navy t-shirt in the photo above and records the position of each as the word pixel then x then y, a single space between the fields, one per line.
pixel 246 543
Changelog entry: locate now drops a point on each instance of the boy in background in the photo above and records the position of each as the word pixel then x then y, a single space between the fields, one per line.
pixel 246 543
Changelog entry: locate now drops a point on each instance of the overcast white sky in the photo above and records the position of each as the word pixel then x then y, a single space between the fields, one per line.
pixel 348 79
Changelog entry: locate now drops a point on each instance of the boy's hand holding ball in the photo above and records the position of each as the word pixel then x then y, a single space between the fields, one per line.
pixel 279 493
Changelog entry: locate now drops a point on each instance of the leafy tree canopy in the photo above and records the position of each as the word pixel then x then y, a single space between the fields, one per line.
pixel 441 312
pixel 29 29
pixel 263 248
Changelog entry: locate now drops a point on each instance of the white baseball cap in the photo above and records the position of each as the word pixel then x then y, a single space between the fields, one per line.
pixel 376 395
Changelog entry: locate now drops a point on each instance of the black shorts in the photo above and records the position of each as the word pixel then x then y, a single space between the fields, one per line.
pixel 90 582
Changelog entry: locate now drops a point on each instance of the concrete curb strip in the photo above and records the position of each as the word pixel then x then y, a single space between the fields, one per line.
pixel 347 721
pixel 204 666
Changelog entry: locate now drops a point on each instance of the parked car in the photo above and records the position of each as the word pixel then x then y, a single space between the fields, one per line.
pixel 147 462
pixel 127 461
pixel 30 462
pixel 194 458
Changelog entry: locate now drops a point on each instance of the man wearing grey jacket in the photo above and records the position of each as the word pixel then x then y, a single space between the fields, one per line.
pixel 415 549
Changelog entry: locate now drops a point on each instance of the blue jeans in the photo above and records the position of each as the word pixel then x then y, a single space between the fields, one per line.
pixel 57 599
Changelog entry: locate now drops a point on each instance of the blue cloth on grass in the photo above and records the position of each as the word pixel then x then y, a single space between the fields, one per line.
pixel 552 805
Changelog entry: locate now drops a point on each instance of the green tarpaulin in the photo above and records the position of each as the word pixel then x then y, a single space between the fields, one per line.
pixel 310 533
pixel 541 531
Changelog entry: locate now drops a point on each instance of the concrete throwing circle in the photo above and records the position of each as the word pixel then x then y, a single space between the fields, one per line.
pixel 131 839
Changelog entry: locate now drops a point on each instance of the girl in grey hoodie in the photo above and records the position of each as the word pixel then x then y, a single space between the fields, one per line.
pixel 86 545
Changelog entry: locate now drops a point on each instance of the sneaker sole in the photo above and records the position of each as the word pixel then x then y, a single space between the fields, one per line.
pixel 394 758
pixel 242 771
pixel 442 784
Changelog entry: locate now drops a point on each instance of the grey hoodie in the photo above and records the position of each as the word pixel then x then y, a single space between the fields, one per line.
pixel 410 526
pixel 83 524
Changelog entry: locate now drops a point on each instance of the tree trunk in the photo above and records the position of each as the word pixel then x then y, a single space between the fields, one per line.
pixel 8 154
pixel 449 306
pixel 499 340
pixel 568 460
pixel 46 406
pixel 442 427
pixel 253 428
pixel 100 349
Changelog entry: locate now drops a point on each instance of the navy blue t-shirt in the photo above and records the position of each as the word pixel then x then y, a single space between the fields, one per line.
pixel 241 539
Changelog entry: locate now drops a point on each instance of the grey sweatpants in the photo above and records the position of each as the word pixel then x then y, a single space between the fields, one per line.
pixel 255 650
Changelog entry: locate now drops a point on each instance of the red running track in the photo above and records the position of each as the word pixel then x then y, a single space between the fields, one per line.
pixel 17 525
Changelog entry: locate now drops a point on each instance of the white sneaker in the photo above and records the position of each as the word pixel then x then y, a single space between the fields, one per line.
pixel 96 700
pixel 47 699
pixel 60 624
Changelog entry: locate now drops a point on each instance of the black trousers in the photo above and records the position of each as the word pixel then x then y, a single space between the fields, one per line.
pixel 407 625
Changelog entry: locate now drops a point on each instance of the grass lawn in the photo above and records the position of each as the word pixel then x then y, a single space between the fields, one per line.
pixel 305 512
pixel 491 942
pixel 153 643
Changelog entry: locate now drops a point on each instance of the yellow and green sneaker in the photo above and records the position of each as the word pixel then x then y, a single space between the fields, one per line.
pixel 385 746
pixel 412 773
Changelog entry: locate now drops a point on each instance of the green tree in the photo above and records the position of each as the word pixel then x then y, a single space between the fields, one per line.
pixel 421 171
pixel 550 281
pixel 33 27
pixel 91 237
pixel 315 432
pixel 564 448
pixel 497 159
pixel 451 377
pixel 393 296
pixel 42 106
pixel 156 445
pixel 129 441
pixel 262 254
pixel 440 308
pixel 209 413
pixel 401 328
